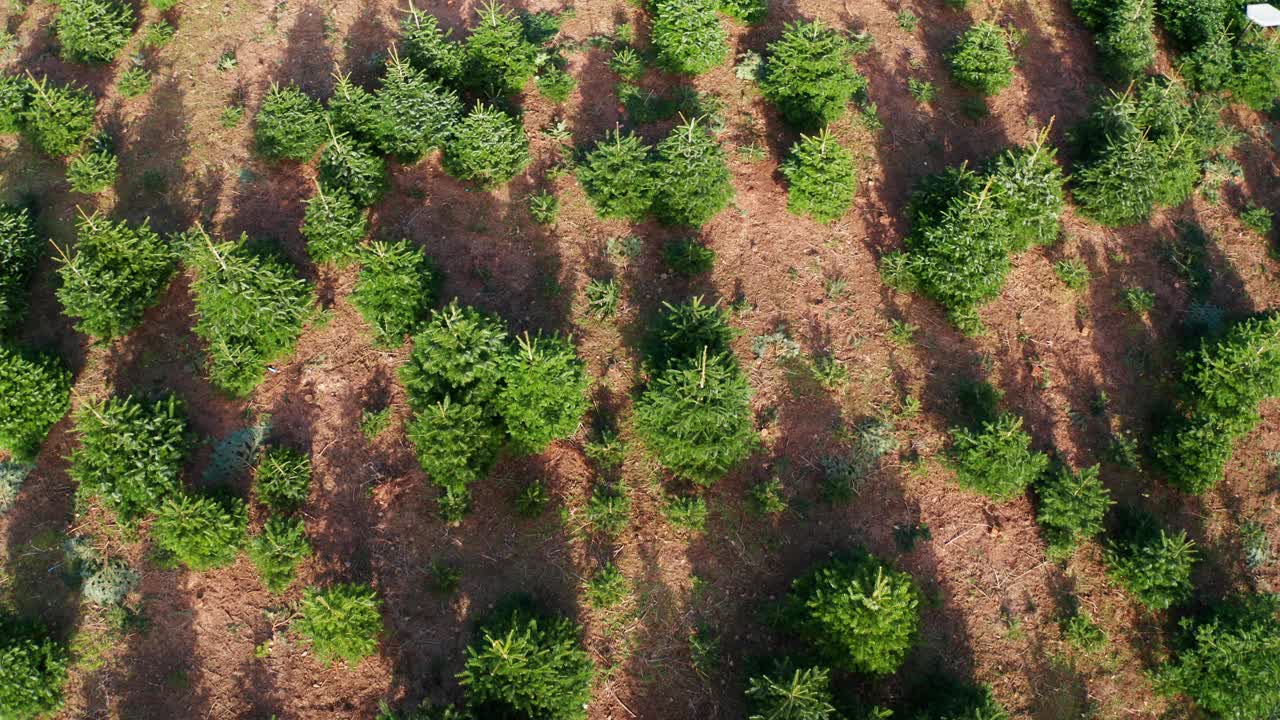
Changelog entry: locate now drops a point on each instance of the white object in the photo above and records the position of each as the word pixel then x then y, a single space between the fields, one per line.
pixel 1263 14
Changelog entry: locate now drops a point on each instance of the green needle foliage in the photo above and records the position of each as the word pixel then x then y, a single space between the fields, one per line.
pixel 1143 149
pixel 684 331
pixel 277 551
pixel 1151 563
pixel 1125 34
pixel 133 82
pixel 687 36
pixel 751 12
pixel 282 478
pixel 117 271
pixel 981 59
pixel 1071 508
pixel 792 694
pixel 457 444
pixel 428 48
pixel 13 99
pixel 544 394
pixel 417 113
pixel 607 587
pixel 93 31
pixel 131 453
pixel 617 177
pixel 341 622
pixel 290 125
pixel 1227 660
pixel 857 613
pixel 459 354
pixel 350 168
pixel 942 698
pixel 488 147
pixel 688 257
pixel 333 225
pixel 821 177
pixel 57 118
pixel 19 254
pixel 695 417
pixel 521 664
pixel 691 178
pixel 1222 385
pixel 33 669
pixel 250 309
pixel 1254 78
pixel 355 111
pixel 93 171
pixel 996 459
pixel 498 59
pixel 810 76
pixel 201 532
pixel 35 392
pixel 965 224
pixel 395 290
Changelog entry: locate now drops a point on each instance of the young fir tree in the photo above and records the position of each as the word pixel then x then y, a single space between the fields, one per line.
pixel 1227 657
pixel 1027 184
pixel 1222 385
pixel 856 613
pixel 417 113
pixel 355 112
pixel 282 479
pixel 429 48
pixel 1071 507
pixel 333 225
pixel 342 622
pixel 617 177
pixel 1126 41
pixel 498 59
pixel 93 31
pixel 810 76
pixel 488 147
pixel 821 177
pixel 981 59
pixel 996 459
pixel 1254 75
pixel 684 331
pixel 687 36
pixel 290 125
pixel 792 694
pixel 691 179
pixel 523 664
pixel 33 669
pixel 351 168
pixel 13 100
pixel 459 354
pixel 131 453
pixel 115 273
pixel 1153 564
pixel 19 254
pixel 250 309
pixel 57 118
pixel 395 290
pixel 457 443
pixel 35 392
pixel 95 169
pixel 278 550
pixel 544 393
pixel 201 532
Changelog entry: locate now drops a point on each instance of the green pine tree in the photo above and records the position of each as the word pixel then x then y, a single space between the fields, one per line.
pixel 35 392
pixel 488 147
pixel 199 531
pixel 417 113
pixel 428 47
pixel 617 177
pixel 58 118
pixel 544 393
pixel 821 177
pixel 981 59
pixel 1071 507
pixel 809 75
pixel 996 459
pixel 290 125
pixel 691 178
pixel 93 31
pixel 687 35
pixel 342 622
pixel 395 290
pixel 499 60
pixel 20 251
pixel 333 225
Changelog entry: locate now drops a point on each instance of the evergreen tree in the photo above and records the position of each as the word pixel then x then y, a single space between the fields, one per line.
pixel 333 226
pixel 457 444
pixel 250 309
pixel 199 531
pixel 1254 77
pixel 488 147
pixel 348 167
pixel 131 453
pixel 687 36
pixel 277 551
pixel 428 47
pixel 544 393
pixel 58 118
pixel 356 112
pixel 340 622
pixel 498 58
pixel 1151 563
pixel 35 392
pixel 1071 507
pixel 524 665
pixel 685 331
pixel 792 694
pixel 289 125
pixel 19 255
pixel 33 669
pixel 1027 185
pixel 617 177
pixel 981 59
pixel 13 100
pixel 691 178
pixel 997 459
pixel 93 31
pixel 93 170
pixel 821 177
pixel 417 112
pixel 117 271
pixel 459 354
pixel 809 75
pixel 857 613
pixel 395 290
pixel 282 479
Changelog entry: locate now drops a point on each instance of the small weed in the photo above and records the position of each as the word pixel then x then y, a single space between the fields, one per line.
pixel 624 248
pixel 374 422
pixel 608 451
pixel 767 497
pixel 828 371
pixel 603 297
pixel 1073 273
pixel 227 61
pixel 1257 546
pixel 834 288
pixel 133 82
pixel 1257 219
pixel 231 116
pixel 906 536
pixel 1081 633
pixel 902 332
pixel 443 578
pixel 975 108
pixel 922 90
pixel 686 512
pixel 704 651
pixel 157 35
pixel 607 587
pixel 262 650
pixel 907 21
pixel 1139 301
pixel 544 207
pixel 532 500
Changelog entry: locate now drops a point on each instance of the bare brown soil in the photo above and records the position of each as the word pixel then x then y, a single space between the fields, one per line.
pixel 994 598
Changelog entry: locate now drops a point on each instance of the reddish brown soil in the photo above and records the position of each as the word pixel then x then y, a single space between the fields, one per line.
pixel 995 600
